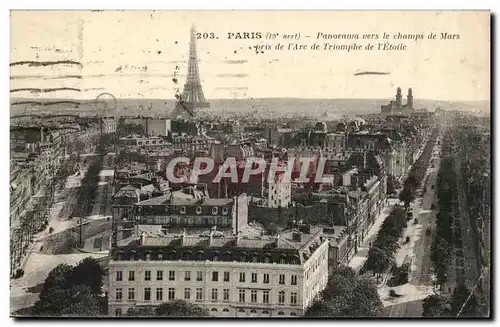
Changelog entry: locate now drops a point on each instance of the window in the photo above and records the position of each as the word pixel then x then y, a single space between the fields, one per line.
pixel 253 311
pixel 214 294
pixel 224 211
pixel 131 293
pixel 254 277
pixel 118 312
pixel 213 309
pixel 187 294
pixel 293 314
pixel 225 310
pixel 226 276
pixel 242 277
pixel 281 313
pixel 199 276
pixel 282 279
pixel 147 294
pixel 293 298
pixel 183 210
pixel 159 294
pixel 131 275
pixel 282 260
pixel 265 312
pixel 215 276
pixel 147 275
pixel 119 295
pixel 225 294
pixel 266 278
pixel 253 296
pixel 281 297
pixel 294 280
pixel 171 293
pixel 187 275
pixel 171 275
pixel 119 276
pixel 214 210
pixel 199 294
pixel 198 210
pixel 242 295
pixel 265 296
pixel 159 275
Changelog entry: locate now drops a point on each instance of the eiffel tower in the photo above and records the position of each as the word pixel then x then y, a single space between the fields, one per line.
pixel 192 97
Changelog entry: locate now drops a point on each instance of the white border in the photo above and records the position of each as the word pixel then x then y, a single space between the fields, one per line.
pixel 190 4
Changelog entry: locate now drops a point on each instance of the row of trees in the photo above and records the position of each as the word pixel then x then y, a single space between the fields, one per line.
pixel 175 308
pixel 88 188
pixel 381 253
pixel 74 291
pixel 459 304
pixel 346 295
pixel 417 171
pixel 442 245
pixel 66 169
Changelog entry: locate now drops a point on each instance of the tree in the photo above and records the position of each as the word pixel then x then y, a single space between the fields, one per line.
pixel 180 308
pixel 72 291
pixel 52 296
pixel 407 196
pixel 90 273
pixel 392 184
pixel 434 306
pixel 141 312
pixel 460 298
pixel 378 261
pixel 320 308
pixel 82 302
pixel 346 295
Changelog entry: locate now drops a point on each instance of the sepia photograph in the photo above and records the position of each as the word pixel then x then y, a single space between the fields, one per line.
pixel 279 164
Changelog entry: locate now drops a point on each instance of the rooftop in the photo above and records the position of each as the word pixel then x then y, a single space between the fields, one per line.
pixel 292 247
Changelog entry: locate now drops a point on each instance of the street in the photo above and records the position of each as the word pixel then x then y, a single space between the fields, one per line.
pixel 420 279
pixel 52 249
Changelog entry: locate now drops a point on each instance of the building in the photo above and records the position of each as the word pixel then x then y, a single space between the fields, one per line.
pixel 397 105
pixel 134 141
pixel 231 275
pixel 108 125
pixel 193 143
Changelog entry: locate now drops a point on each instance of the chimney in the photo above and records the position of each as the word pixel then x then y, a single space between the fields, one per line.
pixel 238 238
pixel 235 216
pixel 212 232
pixel 277 241
pixel 297 236
pixel 306 229
pixel 183 237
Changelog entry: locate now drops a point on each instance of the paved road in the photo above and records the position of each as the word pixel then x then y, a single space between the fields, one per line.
pixel 38 265
pixel 421 283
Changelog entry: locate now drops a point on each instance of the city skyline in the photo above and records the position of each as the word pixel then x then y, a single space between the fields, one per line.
pixel 134 61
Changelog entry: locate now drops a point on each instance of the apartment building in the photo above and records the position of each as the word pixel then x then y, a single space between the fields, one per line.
pixel 231 275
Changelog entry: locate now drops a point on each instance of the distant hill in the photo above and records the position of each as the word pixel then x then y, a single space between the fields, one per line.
pixel 265 106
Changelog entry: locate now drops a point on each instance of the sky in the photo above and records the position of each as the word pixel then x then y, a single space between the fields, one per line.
pixel 135 54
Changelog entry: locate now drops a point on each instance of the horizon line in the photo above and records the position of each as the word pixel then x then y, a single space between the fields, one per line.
pixel 242 99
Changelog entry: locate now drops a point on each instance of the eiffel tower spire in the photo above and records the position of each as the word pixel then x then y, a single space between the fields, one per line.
pixel 192 96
